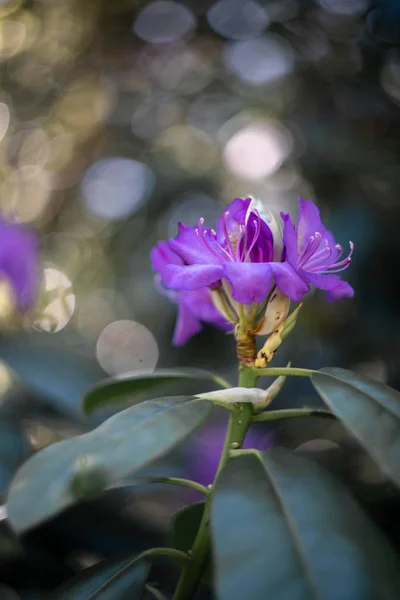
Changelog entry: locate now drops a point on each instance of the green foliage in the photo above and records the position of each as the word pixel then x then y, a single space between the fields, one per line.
pixel 184 528
pixel 62 473
pixel 115 389
pixel 110 579
pixel 284 528
pixel 369 409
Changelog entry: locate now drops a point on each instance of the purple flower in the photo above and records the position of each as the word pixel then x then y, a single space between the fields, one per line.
pixel 194 306
pixel 240 253
pixel 19 263
pixel 208 447
pixel 313 252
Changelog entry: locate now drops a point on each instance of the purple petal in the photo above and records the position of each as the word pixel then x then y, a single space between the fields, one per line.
pixel 335 287
pixel 323 282
pixel 162 255
pixel 202 306
pixel 251 282
pixel 263 249
pixel 19 262
pixel 288 281
pixel 290 240
pixel 237 210
pixel 193 249
pixel 187 325
pixel 308 223
pixel 342 290
pixel 191 277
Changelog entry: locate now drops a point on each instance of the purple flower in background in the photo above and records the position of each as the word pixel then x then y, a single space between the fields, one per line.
pixel 313 252
pixel 19 263
pixel 208 447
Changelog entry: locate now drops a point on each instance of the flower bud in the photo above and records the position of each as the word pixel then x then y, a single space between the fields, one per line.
pixel 267 352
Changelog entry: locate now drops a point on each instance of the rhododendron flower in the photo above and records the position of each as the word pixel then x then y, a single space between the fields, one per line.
pixel 240 251
pixel 247 261
pixel 313 252
pixel 19 268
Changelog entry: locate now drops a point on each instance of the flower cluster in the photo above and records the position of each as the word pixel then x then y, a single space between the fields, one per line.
pixel 19 266
pixel 209 274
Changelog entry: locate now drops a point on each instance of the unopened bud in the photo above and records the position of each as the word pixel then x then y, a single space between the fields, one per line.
pixel 276 311
pixel 267 352
pixel 272 391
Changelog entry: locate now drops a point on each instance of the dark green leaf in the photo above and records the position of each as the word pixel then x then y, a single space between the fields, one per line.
pixel 284 528
pixel 184 527
pixel 114 579
pixel 116 388
pixel 82 466
pixel 369 409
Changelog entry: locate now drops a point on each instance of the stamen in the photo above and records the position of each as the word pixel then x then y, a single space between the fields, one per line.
pixel 242 238
pixel 318 257
pixel 226 232
pixel 336 267
pixel 200 232
pixel 311 247
pixel 346 261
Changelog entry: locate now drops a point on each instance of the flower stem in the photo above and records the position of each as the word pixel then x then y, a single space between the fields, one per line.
pixel 240 420
pixel 277 371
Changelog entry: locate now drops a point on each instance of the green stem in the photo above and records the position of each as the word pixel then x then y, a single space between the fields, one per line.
pixel 290 413
pixel 155 592
pixel 277 371
pixel 175 481
pixel 172 552
pixel 240 420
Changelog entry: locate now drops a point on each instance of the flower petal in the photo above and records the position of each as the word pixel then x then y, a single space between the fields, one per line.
pixel 288 281
pixel 162 255
pixel 251 282
pixel 290 240
pixel 191 277
pixel 308 223
pixel 202 306
pixel 231 222
pixel 335 287
pixel 187 325
pixel 193 249
pixel 342 290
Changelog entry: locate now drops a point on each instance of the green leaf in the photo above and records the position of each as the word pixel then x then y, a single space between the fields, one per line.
pixel 115 388
pixel 282 527
pixel 369 409
pixel 113 579
pixel 59 475
pixel 184 527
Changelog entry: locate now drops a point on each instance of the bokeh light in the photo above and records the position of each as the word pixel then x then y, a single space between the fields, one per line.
pixel 238 19
pixel 259 60
pixel 164 21
pixel 257 150
pixel 4 119
pixel 125 346
pixel 344 7
pixel 115 187
pixel 59 301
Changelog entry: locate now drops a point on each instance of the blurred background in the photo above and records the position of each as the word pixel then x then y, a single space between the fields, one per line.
pixel 119 119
